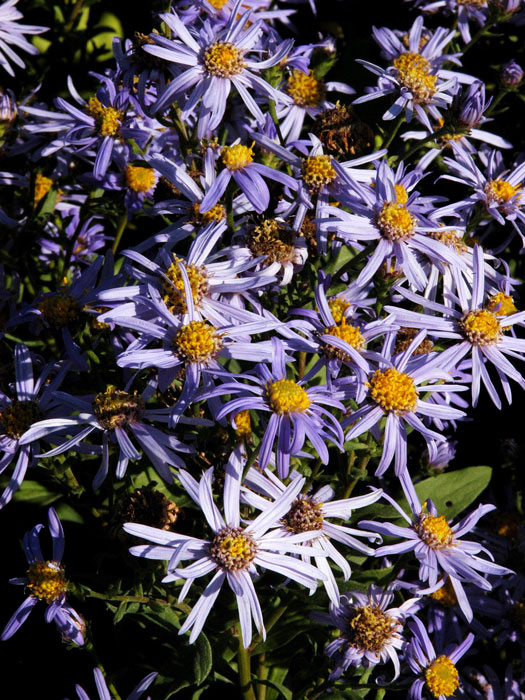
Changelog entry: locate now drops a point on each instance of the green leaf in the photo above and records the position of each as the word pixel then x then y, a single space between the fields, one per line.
pixel 282 691
pixel 33 492
pixel 69 514
pixel 454 491
pixel 203 659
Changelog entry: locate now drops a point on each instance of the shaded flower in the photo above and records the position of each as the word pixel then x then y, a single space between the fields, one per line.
pixel 103 692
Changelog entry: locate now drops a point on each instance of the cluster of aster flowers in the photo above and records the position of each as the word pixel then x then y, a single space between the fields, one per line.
pixel 240 328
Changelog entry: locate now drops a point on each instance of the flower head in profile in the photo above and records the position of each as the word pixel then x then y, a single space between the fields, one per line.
pixel 371 631
pixel 45 580
pixel 438 676
pixel 235 551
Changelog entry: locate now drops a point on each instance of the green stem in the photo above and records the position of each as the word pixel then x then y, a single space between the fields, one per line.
pixel 502 93
pixel 273 115
pixel 245 676
pixel 477 36
pixel 120 230
pixel 394 131
pixel 262 675
pixel 269 625
pixel 78 6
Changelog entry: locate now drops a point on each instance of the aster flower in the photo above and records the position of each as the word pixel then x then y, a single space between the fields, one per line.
pixel 103 692
pixel 309 512
pixel 439 547
pixel 248 175
pixel 438 675
pixel 393 391
pixel 371 632
pixel 217 61
pixel 234 552
pixel 46 581
pixel 12 35
pixel 296 413
pixel 477 327
pixel 34 400
pixel 487 685
pixel 415 75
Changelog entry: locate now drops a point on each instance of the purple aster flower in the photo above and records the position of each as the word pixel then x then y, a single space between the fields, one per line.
pixel 34 401
pixel 309 511
pixel 436 674
pixel 296 413
pixel 511 75
pixel 12 35
pixel 119 416
pixel 371 632
pixel 438 546
pixel 393 391
pixel 234 552
pixel 248 175
pixel 46 581
pixel 217 62
pixel 477 327
pixel 103 692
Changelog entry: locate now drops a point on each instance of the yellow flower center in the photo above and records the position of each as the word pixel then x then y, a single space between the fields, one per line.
pixel 401 194
pixel 434 531
pixel 223 59
pixel 318 172
pixel 107 119
pixel 481 327
pixel 216 213
pixel 42 186
pixel 139 179
pixel 371 628
pixel 304 515
pixel 395 221
pixel 446 595
pixel 243 424
pixel 174 293
pixel 305 89
pixel 59 309
pixel 350 334
pixel 273 239
pixel 19 416
pixel 500 191
pixel 285 396
pixel 393 391
pixel 453 239
pixel 117 409
pixel 197 342
pixel 233 549
pixel 441 677
pixel 237 157
pixel 478 4
pixel 218 4
pixel 503 303
pixel 413 72
pixel 338 306
pixel 47 580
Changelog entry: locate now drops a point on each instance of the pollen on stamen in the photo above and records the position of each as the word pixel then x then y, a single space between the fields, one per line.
pixel 47 580
pixel 18 416
pixel 446 595
pixel 237 157
pixel 501 304
pixel 317 172
pixel 441 677
pixel 500 191
pixel 223 59
pixel 338 307
pixel 233 548
pixel 413 72
pixel 394 391
pixel 285 396
pixel 395 221
pixel 216 213
pixel 197 342
pixel 435 531
pixel 174 292
pixel 347 332
pixel 117 409
pixel 243 424
pixel 371 629
pixel 304 515
pixel 107 119
pixel 42 186
pixel 305 89
pixel 481 327
pixel 140 179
